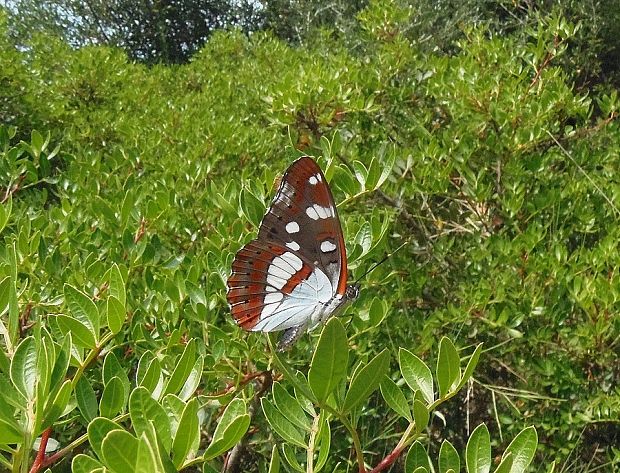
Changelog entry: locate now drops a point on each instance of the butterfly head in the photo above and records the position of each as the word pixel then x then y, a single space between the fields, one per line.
pixel 352 292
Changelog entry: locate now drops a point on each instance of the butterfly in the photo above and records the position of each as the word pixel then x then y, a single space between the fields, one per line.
pixel 293 276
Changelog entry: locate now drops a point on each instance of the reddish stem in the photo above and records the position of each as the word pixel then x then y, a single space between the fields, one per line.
pixel 388 460
pixel 38 461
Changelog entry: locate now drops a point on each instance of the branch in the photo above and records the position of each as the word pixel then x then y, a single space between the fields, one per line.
pixel 38 461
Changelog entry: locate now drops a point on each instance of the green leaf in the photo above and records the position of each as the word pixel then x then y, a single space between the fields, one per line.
pixel 97 430
pixel 82 336
pixel 395 398
pixel 506 464
pixel 86 399
pixel 83 309
pixel 230 429
pixel 522 448
pixel 387 165
pixel 149 373
pixel 448 367
pixel 253 208
pixel 5 214
pixel 471 366
pixel 24 368
pixel 84 464
pixel 58 405
pixel 417 375
pixel 187 434
pixel 448 458
pixel 274 463
pixel 290 407
pixel 5 289
pixel 300 385
pixel 183 368
pixel 291 458
pixel 143 409
pixel 10 430
pixel 330 361
pixel 113 398
pixel 417 458
pixel 116 314
pixel 117 285
pixel 366 380
pixel 478 451
pixel 281 425
pixel 112 368
pixel 323 441
pixel 61 365
pixel 193 380
pixel 420 415
pixel 120 451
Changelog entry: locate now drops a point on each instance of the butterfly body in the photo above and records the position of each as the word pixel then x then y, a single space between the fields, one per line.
pixel 293 276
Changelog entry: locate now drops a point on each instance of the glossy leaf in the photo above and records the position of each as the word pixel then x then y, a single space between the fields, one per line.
pixel 290 407
pixel 281 425
pixel 24 368
pixel 330 361
pixel 395 398
pixel 230 429
pixel 143 410
pixel 97 430
pixel 522 448
pixel 183 368
pixel 113 398
pixel 366 380
pixel 86 399
pixel 448 458
pixel 448 367
pixel 416 458
pixel 83 309
pixel 115 311
pixel 81 334
pixel 478 451
pixel 471 365
pixel 420 415
pixel 417 375
pixel 187 433
pixel 84 464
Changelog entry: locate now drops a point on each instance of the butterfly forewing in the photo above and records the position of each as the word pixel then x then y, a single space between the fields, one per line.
pixel 298 261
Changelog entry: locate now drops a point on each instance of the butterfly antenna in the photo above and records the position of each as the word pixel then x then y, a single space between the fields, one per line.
pixel 383 260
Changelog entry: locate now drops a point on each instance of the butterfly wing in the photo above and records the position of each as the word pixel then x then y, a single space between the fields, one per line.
pixel 297 264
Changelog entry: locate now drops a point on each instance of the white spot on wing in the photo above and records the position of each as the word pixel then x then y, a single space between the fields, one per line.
pixel 287 262
pixel 273 297
pixel 275 281
pixel 312 213
pixel 293 260
pixel 293 245
pixel 278 271
pixel 327 246
pixel 319 211
pixel 313 180
pixel 292 227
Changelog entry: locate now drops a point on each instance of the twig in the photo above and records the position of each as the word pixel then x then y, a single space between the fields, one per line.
pixel 10 190
pixel 38 461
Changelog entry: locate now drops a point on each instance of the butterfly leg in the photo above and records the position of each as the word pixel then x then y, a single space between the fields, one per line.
pixel 290 336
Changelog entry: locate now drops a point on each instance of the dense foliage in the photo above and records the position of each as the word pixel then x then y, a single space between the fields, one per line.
pixel 126 191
